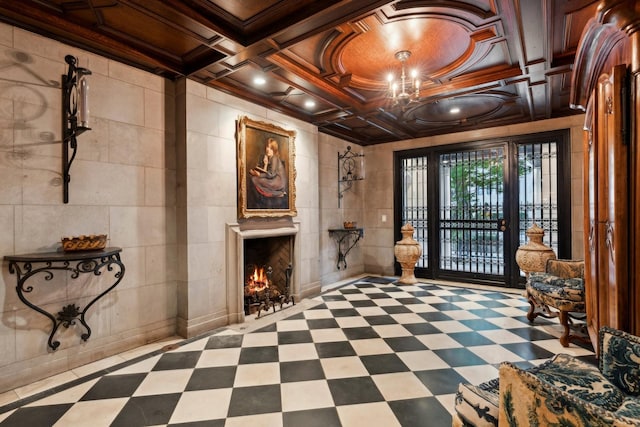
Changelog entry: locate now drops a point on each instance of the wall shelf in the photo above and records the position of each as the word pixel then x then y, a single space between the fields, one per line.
pixel 346 238
pixel 46 264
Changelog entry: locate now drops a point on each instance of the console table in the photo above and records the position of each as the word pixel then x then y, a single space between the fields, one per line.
pixel 46 264
pixel 346 239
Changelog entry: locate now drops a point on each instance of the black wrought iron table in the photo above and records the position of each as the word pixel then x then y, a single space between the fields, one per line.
pixel 346 239
pixel 45 264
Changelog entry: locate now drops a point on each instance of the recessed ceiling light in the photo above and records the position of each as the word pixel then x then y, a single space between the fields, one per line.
pixel 309 103
pixel 259 81
pixel 454 110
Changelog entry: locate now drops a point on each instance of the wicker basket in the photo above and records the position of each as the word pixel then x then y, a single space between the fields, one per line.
pixel 350 224
pixel 84 243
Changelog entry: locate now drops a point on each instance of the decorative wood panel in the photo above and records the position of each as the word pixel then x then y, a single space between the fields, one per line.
pixel 499 61
pixel 606 62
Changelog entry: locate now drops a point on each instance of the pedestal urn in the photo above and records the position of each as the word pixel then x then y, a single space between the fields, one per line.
pixel 533 255
pixel 407 252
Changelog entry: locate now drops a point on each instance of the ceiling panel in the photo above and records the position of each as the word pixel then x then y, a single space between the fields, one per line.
pixel 480 63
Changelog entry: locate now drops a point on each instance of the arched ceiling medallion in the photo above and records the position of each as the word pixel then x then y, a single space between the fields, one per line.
pixel 370 56
pixel 459 108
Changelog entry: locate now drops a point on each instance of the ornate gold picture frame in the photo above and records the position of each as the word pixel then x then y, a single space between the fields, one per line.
pixel 266 169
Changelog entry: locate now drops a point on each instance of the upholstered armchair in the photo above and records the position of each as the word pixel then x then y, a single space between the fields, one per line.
pixel 563 391
pixel 559 292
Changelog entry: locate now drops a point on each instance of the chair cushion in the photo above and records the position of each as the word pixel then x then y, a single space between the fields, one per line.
pixel 478 405
pixel 553 290
pixel 564 391
pixel 580 379
pixel 630 408
pixel 620 359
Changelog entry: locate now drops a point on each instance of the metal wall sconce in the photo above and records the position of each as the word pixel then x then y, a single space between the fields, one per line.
pixel 350 169
pixel 75 115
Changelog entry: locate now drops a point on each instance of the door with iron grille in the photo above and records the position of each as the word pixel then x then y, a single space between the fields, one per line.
pixel 471 204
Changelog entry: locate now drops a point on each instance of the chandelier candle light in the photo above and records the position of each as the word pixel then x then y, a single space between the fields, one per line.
pixel 404 93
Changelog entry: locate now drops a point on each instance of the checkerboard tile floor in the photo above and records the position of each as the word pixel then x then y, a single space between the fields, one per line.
pixel 369 353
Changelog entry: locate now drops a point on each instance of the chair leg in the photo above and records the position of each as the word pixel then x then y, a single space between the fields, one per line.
pixel 532 308
pixel 564 321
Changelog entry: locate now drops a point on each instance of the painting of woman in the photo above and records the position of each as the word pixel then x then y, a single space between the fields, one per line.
pixel 269 177
pixel 266 170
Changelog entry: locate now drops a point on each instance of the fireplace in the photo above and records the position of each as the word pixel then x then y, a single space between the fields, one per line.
pixel 245 245
pixel 267 273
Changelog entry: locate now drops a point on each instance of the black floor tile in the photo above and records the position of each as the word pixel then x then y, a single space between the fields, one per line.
pixel 492 304
pixel 421 328
pixel 350 391
pixel 459 357
pixel 177 360
pixel 360 333
pixel 379 280
pixel 408 301
pixel 532 334
pixel 420 412
pixel 485 313
pixel 303 370
pixel 334 349
pixel 479 324
pixel 207 423
pixel 434 316
pixel 383 319
pixel 383 364
pixel 258 355
pixel 38 416
pixel 294 337
pixel 212 378
pixel 224 341
pixel 379 295
pixel 440 381
pixel 445 306
pixel 147 410
pixel 470 339
pixel 344 312
pixel 363 303
pixel 350 291
pixel 322 323
pixel 334 298
pixel 324 417
pixel 273 327
pixel 112 386
pixel 261 399
pixel 528 351
pixel 399 344
pixel 396 309
pixel 454 298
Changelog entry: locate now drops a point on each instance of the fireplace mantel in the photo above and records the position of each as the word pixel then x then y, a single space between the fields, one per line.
pixel 236 234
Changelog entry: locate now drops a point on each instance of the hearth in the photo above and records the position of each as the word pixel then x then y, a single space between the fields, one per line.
pixel 261 293
pixel 254 243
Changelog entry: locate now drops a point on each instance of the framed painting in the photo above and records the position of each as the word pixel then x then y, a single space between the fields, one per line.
pixel 266 169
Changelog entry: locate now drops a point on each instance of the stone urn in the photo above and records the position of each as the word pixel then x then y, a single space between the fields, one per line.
pixel 407 252
pixel 533 255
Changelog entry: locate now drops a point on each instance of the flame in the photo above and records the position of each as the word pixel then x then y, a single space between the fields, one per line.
pixel 257 281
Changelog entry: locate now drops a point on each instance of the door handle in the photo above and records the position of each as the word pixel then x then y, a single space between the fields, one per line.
pixel 502 224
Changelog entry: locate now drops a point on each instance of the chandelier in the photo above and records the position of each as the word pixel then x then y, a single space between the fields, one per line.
pixel 407 90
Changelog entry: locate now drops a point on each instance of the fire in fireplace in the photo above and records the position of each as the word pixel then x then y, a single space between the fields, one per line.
pixel 261 293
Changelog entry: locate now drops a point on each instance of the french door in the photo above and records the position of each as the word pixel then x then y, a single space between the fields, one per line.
pixel 471 204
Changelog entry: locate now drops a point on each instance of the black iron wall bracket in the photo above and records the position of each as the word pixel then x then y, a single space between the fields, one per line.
pixel 74 116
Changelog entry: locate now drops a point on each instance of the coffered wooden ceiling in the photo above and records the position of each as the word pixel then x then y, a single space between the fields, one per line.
pixel 499 61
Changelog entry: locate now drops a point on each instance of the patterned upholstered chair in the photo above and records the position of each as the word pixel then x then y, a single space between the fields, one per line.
pixel 563 391
pixel 559 292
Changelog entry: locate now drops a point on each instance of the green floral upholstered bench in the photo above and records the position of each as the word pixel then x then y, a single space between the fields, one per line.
pixel 563 391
